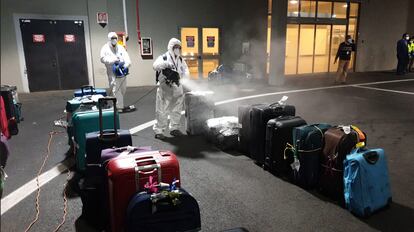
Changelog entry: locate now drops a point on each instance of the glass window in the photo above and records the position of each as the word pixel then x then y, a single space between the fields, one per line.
pixel 269 6
pixel 352 29
pixel 269 31
pixel 307 8
pixel 306 43
pixel 338 36
pixel 292 35
pixel 353 12
pixel 293 8
pixel 193 67
pixel 323 38
pixel 340 10
pixel 189 41
pixel 324 9
pixel 210 41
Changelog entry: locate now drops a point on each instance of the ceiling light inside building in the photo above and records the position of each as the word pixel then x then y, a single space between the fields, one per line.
pixel 293 2
pixel 345 6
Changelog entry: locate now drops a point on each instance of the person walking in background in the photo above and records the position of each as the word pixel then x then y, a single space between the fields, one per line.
pixel 411 53
pixel 402 54
pixel 344 54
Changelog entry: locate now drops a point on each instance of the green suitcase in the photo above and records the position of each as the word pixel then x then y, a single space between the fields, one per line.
pixel 86 122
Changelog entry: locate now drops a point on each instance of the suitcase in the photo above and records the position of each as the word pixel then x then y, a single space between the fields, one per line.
pixel 278 136
pixel 245 130
pixel 7 95
pixel 4 150
pixel 103 139
pixel 308 143
pixel 259 117
pixel 337 146
pixel 94 187
pixel 366 181
pixel 85 122
pixel 4 123
pixel 128 175
pixel 198 109
pixel 223 132
pixel 168 216
pixel 16 106
pixel 88 90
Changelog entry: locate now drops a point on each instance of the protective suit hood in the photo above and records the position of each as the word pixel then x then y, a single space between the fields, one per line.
pixel 171 44
pixel 112 34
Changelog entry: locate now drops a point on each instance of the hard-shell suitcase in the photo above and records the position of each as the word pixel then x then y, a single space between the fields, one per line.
pixel 198 109
pixel 94 187
pixel 4 123
pixel 85 122
pixel 88 90
pixel 4 150
pixel 103 139
pixel 168 215
pixel 7 95
pixel 245 130
pixel 366 181
pixel 223 132
pixel 308 143
pixel 278 138
pixel 337 146
pixel 128 175
pixel 259 117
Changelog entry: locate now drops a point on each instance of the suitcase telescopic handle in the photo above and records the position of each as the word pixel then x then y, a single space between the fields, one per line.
pixel 85 87
pixel 100 103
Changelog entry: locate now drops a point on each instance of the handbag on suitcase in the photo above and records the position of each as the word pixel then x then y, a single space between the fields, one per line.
pixel 339 142
pixel 260 115
pixel 174 210
pixel 245 130
pixel 128 175
pixel 103 139
pixel 85 122
pixel 198 109
pixel 308 143
pixel 366 181
pixel 278 136
pixel 94 187
pixel 89 90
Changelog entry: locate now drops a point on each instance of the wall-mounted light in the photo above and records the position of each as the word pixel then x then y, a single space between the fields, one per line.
pixel 293 2
pixel 345 5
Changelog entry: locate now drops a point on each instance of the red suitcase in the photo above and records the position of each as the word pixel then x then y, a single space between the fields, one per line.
pixel 123 173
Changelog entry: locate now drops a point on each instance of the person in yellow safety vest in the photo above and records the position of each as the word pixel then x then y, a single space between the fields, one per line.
pixel 411 53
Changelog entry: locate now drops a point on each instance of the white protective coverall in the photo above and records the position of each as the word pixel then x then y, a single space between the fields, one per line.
pixel 169 99
pixel 109 55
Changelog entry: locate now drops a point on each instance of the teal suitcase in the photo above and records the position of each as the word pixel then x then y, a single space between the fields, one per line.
pixel 86 122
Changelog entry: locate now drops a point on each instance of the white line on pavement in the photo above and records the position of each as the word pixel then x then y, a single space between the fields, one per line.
pixel 385 90
pixel 19 194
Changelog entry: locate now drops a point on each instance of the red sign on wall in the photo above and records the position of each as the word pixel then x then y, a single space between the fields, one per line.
pixel 69 38
pixel 38 38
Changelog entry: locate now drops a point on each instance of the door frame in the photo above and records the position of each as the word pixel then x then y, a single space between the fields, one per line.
pixel 200 44
pixel 20 49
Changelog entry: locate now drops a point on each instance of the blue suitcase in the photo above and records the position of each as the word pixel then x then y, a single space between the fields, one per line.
pixel 88 90
pixel 366 182
pixel 144 214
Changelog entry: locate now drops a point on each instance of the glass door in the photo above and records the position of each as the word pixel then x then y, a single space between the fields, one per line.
pixel 201 56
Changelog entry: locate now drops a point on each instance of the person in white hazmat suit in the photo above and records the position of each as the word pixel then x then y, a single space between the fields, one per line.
pixel 112 53
pixel 170 95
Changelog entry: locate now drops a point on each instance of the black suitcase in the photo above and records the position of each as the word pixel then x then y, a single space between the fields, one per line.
pixel 103 139
pixel 144 214
pixel 259 116
pixel 279 155
pixel 245 131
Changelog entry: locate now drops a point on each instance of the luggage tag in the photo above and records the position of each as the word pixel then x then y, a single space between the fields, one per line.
pixel 346 129
pixel 295 165
pixel 283 100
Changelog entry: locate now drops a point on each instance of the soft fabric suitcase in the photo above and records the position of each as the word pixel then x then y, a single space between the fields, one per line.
pixel 88 90
pixel 94 187
pixel 223 132
pixel 168 216
pixel 85 122
pixel 245 131
pixel 259 117
pixel 7 96
pixel 4 123
pixel 308 143
pixel 103 139
pixel 128 175
pixel 337 145
pixel 366 181
pixel 279 131
pixel 4 150
pixel 198 109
